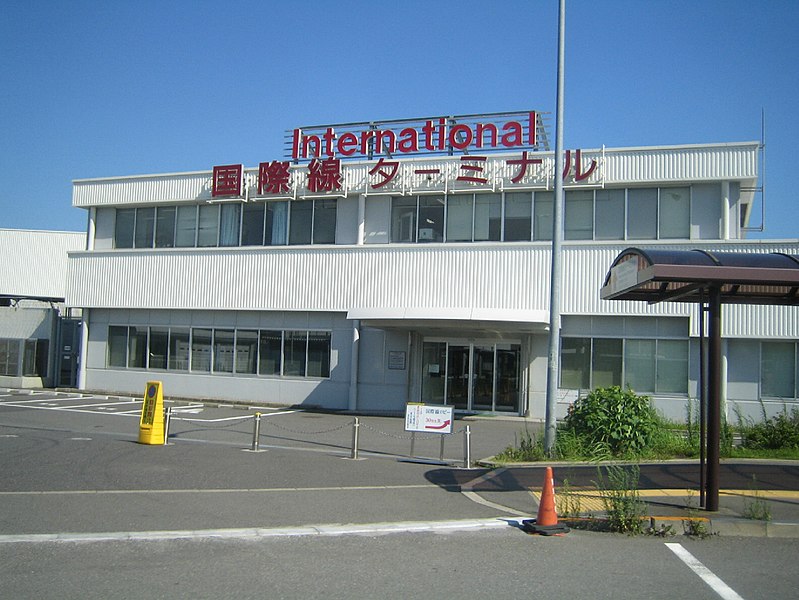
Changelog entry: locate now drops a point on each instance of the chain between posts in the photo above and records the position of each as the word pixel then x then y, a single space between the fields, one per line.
pixel 355 424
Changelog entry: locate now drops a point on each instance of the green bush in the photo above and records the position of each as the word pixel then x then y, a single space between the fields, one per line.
pixel 780 431
pixel 619 420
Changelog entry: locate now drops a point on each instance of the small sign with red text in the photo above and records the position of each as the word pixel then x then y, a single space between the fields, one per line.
pixel 429 418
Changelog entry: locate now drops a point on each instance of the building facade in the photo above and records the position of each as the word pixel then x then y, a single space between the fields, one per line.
pixel 38 339
pixel 369 283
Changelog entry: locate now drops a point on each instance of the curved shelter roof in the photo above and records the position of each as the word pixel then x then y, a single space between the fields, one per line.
pixel 682 275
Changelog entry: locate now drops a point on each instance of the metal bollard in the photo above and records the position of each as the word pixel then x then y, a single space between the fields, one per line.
pixel 356 426
pixel 256 432
pixel 167 419
pixel 467 448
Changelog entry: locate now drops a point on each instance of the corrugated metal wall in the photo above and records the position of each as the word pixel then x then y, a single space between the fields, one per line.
pixel 34 263
pixel 490 276
pixel 616 166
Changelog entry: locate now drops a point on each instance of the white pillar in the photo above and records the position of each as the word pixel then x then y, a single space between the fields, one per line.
pixel 84 349
pixel 361 218
pixel 354 358
pixel 91 229
pixel 725 210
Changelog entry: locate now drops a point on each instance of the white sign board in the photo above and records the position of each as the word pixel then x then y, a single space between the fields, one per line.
pixel 430 418
pixel 624 276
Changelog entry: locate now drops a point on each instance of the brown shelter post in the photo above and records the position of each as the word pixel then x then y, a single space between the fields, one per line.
pixel 692 276
pixel 714 400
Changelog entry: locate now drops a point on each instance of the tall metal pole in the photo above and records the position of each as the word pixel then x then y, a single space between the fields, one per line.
pixel 714 401
pixel 557 234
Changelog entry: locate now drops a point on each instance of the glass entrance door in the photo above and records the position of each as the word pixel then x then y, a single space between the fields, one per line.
pixel 483 378
pixel 459 375
pixel 473 376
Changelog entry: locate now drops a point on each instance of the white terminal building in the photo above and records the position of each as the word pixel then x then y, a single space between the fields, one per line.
pixel 412 264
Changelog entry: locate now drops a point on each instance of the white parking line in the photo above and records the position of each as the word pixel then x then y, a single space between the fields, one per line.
pixel 66 409
pixel 716 584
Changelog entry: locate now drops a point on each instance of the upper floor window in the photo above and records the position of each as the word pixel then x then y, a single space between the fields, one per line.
pixel 227 224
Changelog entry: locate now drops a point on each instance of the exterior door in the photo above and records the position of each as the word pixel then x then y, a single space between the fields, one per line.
pixel 459 374
pixel 480 377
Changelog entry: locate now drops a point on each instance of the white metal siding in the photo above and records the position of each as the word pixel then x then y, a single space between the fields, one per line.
pixel 34 263
pixel 616 166
pixel 435 277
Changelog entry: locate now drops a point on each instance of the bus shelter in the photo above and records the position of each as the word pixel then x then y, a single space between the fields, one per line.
pixel 709 279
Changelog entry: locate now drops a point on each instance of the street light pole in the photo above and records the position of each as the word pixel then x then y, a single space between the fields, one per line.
pixel 557 234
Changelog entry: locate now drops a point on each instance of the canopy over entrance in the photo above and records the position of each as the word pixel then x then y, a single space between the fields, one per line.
pixel 710 279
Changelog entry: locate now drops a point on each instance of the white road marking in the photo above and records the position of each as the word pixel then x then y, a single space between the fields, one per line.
pixel 716 584
pixel 257 533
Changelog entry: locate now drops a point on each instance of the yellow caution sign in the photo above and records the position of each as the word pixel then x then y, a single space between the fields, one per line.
pixel 151 425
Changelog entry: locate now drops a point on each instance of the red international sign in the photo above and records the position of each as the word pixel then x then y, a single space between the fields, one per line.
pixel 434 135
pixel 228 180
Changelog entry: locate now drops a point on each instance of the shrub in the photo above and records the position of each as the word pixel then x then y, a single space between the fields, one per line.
pixel 620 420
pixel 780 431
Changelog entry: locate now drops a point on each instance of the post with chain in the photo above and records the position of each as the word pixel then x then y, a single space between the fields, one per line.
pixel 256 432
pixel 467 448
pixel 167 420
pixel 356 426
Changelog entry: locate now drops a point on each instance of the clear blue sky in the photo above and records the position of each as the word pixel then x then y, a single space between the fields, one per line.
pixel 100 89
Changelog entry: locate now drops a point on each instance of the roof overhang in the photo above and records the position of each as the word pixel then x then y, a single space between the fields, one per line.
pixel 466 322
pixel 684 275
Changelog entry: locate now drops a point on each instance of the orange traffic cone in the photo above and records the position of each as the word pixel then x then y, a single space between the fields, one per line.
pixel 547 521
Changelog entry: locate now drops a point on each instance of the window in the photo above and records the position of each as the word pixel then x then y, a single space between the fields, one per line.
pixel 639 359
pixel 252 224
pixel 645 365
pixel 145 226
pixel 642 211
pixel 269 352
pixel 675 213
pixel 35 359
pixel 318 354
pixel 518 217
pixel 324 221
pixel 137 348
pixel 301 222
pixel 276 229
pixel 186 227
pixel 606 362
pixel 543 215
pixel 778 369
pixel 431 219
pixel 165 227
pixel 9 357
pixel 575 360
pixel 229 224
pixel 672 367
pixel 123 227
pixel 179 350
pixel 403 219
pixel 201 350
pixel 159 347
pixel 234 351
pixel 294 353
pixel 460 212
pixel 578 218
pixel 208 226
pixel 609 215
pixel 223 350
pixel 117 346
pixel 246 351
pixel 488 217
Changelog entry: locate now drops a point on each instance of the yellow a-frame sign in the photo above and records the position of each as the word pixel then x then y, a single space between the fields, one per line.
pixel 151 425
